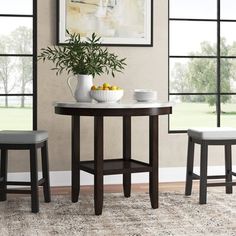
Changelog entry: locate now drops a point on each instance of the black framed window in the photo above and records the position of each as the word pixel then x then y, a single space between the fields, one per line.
pixel 202 63
pixel 18 64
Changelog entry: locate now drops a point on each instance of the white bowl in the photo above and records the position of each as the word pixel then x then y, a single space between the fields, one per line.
pixel 109 96
pixel 145 95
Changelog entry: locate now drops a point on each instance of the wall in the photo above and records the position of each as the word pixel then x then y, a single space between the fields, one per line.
pixel 147 68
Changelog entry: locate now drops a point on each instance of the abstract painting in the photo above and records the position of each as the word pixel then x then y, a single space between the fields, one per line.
pixel 117 22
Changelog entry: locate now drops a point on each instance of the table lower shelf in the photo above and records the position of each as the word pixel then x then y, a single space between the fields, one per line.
pixel 117 166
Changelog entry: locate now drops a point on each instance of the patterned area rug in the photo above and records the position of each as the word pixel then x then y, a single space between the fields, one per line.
pixel 177 215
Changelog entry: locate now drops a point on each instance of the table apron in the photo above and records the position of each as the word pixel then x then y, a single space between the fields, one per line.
pixel 113 112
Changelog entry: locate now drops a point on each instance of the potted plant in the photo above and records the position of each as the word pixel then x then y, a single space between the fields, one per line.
pixel 85 60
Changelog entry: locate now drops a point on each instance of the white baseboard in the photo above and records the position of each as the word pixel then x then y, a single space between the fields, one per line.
pixel 63 178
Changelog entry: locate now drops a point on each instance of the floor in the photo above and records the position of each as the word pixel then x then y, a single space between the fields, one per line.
pixel 175 186
pixel 177 215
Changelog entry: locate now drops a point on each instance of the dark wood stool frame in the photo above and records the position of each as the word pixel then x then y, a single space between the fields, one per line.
pixel 126 165
pixel 190 176
pixel 34 182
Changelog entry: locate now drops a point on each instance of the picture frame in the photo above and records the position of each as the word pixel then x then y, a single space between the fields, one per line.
pixel 117 22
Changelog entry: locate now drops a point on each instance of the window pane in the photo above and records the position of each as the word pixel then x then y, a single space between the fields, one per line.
pixel 228 75
pixel 193 9
pixel 193 75
pixel 228 9
pixel 16 113
pixel 16 75
pixel 228 108
pixel 192 111
pixel 16 7
pixel 15 35
pixel 192 38
pixel 228 39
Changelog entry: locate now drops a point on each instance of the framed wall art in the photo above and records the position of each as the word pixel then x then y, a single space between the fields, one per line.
pixel 117 22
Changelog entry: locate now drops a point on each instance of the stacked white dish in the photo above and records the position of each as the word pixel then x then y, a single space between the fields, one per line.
pixel 145 95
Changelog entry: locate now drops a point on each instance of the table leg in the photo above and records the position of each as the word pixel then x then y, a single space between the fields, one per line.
pixel 127 153
pixel 75 170
pixel 153 160
pixel 98 162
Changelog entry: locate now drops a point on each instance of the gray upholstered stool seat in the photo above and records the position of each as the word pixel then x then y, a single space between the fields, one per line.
pixel 213 133
pixel 206 137
pixel 23 137
pixel 31 141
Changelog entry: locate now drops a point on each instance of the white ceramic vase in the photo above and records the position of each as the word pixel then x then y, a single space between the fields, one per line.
pixel 83 87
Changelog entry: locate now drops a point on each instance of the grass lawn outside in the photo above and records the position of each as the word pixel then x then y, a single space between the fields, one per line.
pixel 16 118
pixel 186 115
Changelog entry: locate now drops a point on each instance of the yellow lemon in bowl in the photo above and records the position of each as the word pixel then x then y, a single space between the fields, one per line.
pixel 106 85
pixel 94 87
pixel 113 87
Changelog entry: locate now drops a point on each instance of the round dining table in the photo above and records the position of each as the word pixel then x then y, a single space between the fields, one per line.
pixel 125 165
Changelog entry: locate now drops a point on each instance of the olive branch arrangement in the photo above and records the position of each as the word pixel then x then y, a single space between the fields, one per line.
pixel 87 57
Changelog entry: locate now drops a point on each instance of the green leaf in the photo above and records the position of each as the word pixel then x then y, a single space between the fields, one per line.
pixel 83 57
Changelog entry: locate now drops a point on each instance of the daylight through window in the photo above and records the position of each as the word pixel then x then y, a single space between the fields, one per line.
pixel 17 65
pixel 202 63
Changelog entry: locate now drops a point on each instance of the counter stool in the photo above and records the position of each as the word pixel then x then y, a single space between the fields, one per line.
pixel 205 137
pixel 25 140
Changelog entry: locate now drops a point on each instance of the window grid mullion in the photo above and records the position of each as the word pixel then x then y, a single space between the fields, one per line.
pixel 16 55
pixel 222 93
pixel 210 57
pixel 35 66
pixel 218 57
pixel 16 94
pixel 34 57
pixel 192 19
pixel 16 15
pixel 218 103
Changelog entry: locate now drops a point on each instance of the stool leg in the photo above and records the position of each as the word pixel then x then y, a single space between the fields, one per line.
pixel 45 169
pixel 189 171
pixel 203 173
pixel 34 179
pixel 228 167
pixel 3 175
